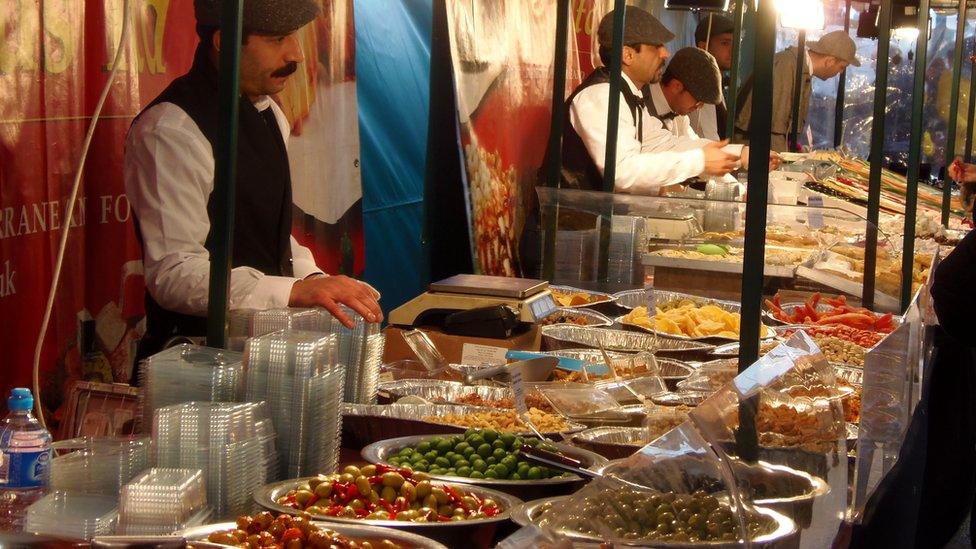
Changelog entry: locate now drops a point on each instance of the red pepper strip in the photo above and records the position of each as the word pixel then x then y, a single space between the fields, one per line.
pixel 443 518
pixel 312 500
pixel 455 497
pixel 811 312
pixel 380 468
pixel 815 300
pixel 352 492
pixel 375 480
pixel 334 510
pixel 360 513
pixel 492 512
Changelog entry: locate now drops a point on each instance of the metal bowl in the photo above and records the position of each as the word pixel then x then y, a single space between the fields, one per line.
pixel 671 371
pixel 452 534
pixel 803 487
pixel 631 299
pixel 785 535
pixel 600 298
pixel 400 416
pixel 523 489
pixel 612 442
pixel 770 333
pixel 354 531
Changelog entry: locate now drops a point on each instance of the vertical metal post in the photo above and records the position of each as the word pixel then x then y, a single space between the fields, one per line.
pixel 801 61
pixel 754 256
pixel 914 155
pixel 610 161
pixel 950 152
pixel 877 154
pixel 556 136
pixel 733 98
pixel 225 176
pixel 968 152
pixel 841 86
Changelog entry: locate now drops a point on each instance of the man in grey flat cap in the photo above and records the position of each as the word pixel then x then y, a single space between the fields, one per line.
pixel 714 35
pixel 169 176
pixel 638 171
pixel 691 81
pixel 825 59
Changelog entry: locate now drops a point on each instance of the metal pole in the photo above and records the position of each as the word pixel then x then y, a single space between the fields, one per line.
pixel 225 176
pixel 914 155
pixel 801 52
pixel 610 161
pixel 734 72
pixel 556 136
pixel 950 152
pixel 877 154
pixel 968 152
pixel 755 230
pixel 841 87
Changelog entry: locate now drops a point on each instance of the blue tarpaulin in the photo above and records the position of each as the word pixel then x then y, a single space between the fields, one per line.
pixel 393 79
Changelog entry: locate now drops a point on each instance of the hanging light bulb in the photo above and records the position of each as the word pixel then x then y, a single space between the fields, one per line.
pixel 801 14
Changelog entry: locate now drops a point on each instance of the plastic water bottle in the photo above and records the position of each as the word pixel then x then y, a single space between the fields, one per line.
pixel 25 460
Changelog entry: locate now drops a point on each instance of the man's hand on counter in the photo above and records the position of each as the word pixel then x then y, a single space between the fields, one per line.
pixel 717 161
pixel 331 291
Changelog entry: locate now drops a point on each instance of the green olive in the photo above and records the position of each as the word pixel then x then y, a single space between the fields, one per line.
pixel 393 480
pixel 352 470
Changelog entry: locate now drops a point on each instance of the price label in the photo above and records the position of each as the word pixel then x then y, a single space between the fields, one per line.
pixel 651 298
pixel 816 217
pixel 519 389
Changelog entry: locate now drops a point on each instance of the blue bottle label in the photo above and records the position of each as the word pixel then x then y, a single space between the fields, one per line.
pixel 24 469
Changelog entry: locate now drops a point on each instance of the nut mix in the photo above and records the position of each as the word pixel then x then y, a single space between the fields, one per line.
pixel 379 492
pixel 506 421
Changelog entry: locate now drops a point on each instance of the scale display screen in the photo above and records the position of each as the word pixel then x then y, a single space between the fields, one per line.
pixel 542 307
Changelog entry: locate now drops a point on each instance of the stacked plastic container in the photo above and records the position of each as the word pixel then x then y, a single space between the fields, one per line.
pixel 163 501
pixel 361 351
pixel 189 373
pixel 98 465
pixel 297 374
pixel 73 515
pixel 232 444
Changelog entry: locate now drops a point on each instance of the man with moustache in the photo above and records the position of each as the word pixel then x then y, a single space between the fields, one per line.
pixel 169 178
pixel 714 35
pixel 638 170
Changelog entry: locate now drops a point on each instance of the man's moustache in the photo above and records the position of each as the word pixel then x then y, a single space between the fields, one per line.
pixel 287 70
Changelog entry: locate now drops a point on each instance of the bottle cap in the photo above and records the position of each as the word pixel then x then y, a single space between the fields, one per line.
pixel 20 400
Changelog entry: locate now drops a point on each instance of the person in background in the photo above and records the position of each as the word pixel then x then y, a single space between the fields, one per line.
pixel 638 170
pixel 169 177
pixel 714 35
pixel 825 59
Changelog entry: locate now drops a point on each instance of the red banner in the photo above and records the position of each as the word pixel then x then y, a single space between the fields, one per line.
pixel 55 58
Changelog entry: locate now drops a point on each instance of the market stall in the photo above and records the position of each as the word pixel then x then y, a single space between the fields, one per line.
pixel 696 369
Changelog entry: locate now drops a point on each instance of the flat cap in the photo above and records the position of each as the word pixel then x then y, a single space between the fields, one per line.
pixel 698 71
pixel 838 44
pixel 719 25
pixel 262 16
pixel 640 27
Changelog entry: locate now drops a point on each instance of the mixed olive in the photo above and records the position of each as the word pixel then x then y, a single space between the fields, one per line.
pixel 380 492
pixel 287 532
pixel 657 516
pixel 478 454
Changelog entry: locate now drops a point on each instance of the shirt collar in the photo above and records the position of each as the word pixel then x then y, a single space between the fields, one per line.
pixel 262 103
pixel 660 102
pixel 630 83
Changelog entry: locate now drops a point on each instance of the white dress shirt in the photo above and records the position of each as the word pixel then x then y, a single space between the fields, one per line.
pixel 639 170
pixel 169 175
pixel 704 122
pixel 676 134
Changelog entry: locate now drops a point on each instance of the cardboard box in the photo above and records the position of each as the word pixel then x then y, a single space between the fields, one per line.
pixel 455 347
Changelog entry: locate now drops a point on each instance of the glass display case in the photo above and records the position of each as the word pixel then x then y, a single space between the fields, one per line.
pixel 695 245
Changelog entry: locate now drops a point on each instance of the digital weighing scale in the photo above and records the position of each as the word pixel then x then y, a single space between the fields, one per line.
pixel 530 300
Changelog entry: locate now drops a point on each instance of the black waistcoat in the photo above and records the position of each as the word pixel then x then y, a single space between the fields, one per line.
pixel 579 171
pixel 263 201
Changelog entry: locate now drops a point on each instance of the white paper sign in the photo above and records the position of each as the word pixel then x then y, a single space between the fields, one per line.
pixel 476 355
pixel 519 389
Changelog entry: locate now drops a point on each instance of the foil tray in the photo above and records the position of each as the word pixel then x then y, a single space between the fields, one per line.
pixel 604 298
pixel 770 333
pixel 562 337
pixel 593 318
pixel 631 299
pixel 356 532
pixel 416 413
pixel 438 392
